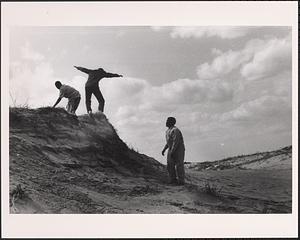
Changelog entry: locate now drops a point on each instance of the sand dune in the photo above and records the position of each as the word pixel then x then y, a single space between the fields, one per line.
pixel 63 164
pixel 278 159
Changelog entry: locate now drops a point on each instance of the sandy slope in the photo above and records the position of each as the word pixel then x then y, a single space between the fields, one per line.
pixel 278 159
pixel 69 165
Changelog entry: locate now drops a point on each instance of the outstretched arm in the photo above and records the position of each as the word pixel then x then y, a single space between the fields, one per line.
pixel 85 70
pixel 57 102
pixel 111 75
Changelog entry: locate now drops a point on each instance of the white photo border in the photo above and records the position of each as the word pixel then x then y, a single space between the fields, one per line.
pixel 238 13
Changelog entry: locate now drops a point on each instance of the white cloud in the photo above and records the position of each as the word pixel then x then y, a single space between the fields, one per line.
pixel 31 80
pixel 33 85
pixel 228 61
pixel 223 64
pixel 265 108
pixel 181 91
pixel 258 59
pixel 216 51
pixel 157 28
pixel 273 58
pixel 130 96
pixel 28 53
pixel 123 88
pixel 224 32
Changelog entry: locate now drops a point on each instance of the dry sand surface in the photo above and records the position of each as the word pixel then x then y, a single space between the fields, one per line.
pixel 63 164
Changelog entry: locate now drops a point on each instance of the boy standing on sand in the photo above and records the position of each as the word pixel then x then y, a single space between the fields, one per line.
pixel 92 87
pixel 175 158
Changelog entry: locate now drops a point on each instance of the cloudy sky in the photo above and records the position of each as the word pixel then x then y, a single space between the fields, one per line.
pixel 228 87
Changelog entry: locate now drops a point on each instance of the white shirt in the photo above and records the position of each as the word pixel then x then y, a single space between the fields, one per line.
pixel 174 139
pixel 68 92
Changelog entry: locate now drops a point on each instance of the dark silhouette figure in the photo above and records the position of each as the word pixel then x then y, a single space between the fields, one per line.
pixel 92 87
pixel 175 158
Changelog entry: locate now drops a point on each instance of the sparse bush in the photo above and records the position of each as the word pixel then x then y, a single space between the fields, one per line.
pixel 16 193
pixel 18 105
pixel 131 148
pixel 212 189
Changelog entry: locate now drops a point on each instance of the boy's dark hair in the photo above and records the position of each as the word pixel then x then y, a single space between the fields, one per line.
pixel 58 84
pixel 171 121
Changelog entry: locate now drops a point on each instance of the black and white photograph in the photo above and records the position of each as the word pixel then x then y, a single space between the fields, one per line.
pixel 149 119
